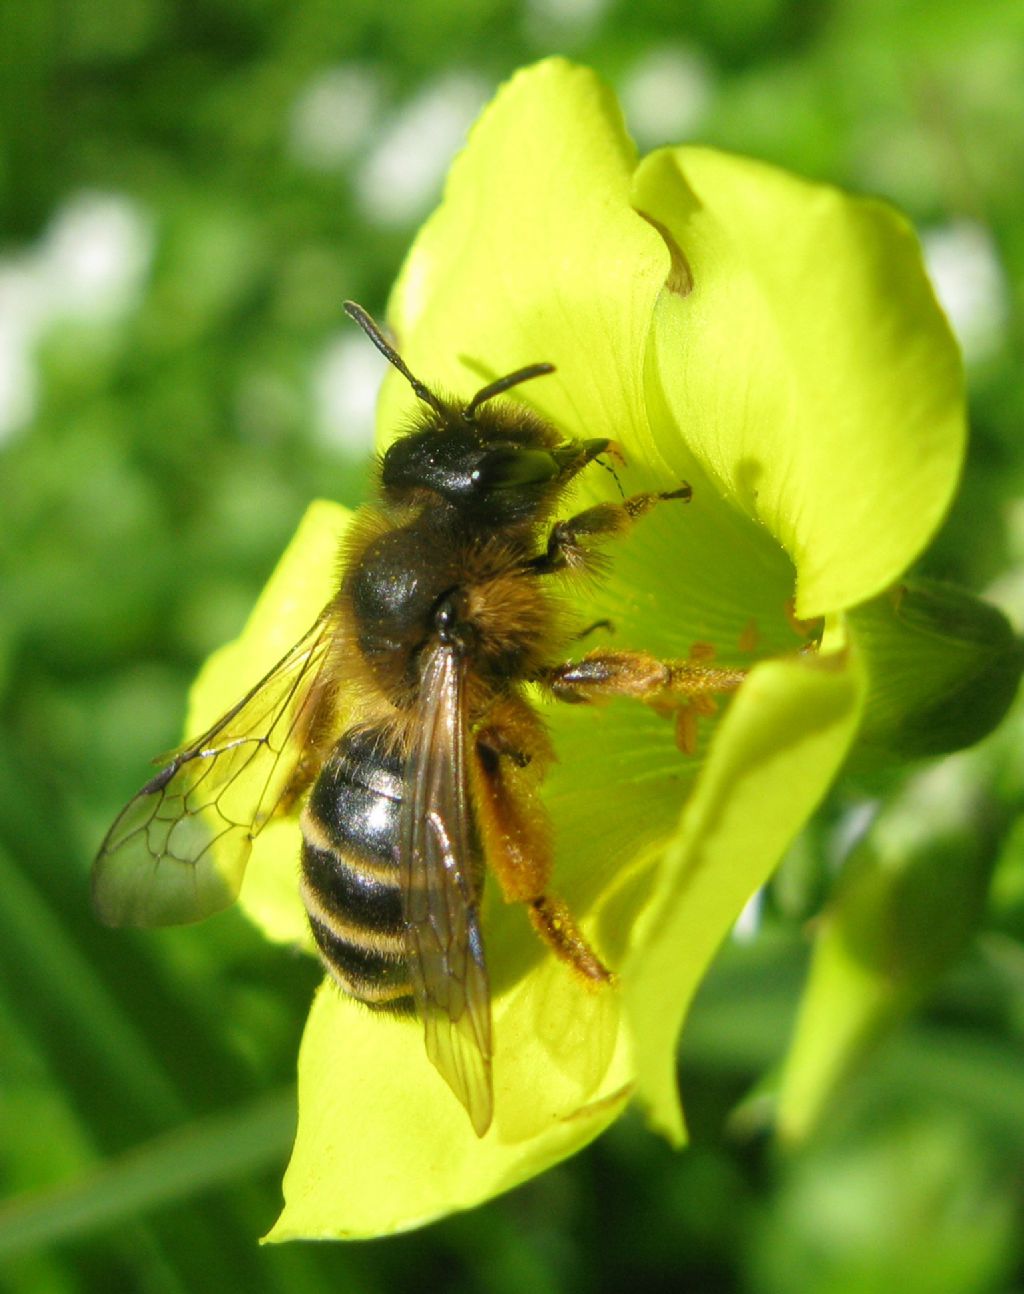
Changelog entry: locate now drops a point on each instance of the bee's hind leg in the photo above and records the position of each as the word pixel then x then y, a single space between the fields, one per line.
pixel 511 752
pixel 557 927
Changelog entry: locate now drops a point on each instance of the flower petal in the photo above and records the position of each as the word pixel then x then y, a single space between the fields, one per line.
pixel 535 255
pixel 773 758
pixel 810 368
pixel 383 1145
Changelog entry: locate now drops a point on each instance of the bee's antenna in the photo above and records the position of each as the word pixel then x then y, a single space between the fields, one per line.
pixel 375 335
pixel 608 468
pixel 504 384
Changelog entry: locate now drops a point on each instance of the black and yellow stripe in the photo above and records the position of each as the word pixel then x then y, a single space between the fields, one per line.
pixel 350 878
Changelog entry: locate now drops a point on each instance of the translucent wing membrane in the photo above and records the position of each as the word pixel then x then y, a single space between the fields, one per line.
pixel 178 850
pixel 444 946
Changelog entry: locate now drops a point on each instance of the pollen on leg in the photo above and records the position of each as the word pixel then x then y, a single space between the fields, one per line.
pixel 556 926
pixel 687 715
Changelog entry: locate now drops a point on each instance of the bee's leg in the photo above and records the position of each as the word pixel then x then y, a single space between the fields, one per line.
pixel 511 730
pixel 603 674
pixel 302 778
pixel 556 925
pixel 511 752
pixel 587 630
pixel 568 541
pixel 686 689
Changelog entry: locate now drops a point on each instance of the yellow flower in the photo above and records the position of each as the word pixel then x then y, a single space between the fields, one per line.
pixel 776 344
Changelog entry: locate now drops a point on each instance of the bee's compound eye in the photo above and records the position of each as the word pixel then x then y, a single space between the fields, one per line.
pixel 443 461
pixel 508 467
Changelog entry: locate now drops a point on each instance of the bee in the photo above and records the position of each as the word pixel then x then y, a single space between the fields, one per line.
pixel 401 722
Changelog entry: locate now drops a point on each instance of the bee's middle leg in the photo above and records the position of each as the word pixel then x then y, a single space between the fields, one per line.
pixel 685 689
pixel 603 674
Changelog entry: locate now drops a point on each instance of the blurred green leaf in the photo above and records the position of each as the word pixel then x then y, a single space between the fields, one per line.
pixel 910 898
pixel 179 1165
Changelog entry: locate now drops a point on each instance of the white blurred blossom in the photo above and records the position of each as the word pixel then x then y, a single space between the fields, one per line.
pixel 91 265
pixel 666 95
pixel 970 284
pixel 346 380
pixel 333 116
pixel 571 20
pixel 403 174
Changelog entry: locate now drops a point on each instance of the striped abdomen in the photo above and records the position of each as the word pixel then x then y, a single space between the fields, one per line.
pixel 350 879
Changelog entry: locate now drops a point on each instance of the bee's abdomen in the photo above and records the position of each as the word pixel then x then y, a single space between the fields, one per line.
pixel 350 880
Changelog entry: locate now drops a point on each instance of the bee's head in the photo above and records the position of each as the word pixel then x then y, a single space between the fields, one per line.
pixel 503 466
pixel 494 463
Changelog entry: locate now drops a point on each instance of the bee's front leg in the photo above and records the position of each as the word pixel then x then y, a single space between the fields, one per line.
pixel 569 540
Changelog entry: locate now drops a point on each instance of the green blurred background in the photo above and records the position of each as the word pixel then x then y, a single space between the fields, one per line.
pixel 188 191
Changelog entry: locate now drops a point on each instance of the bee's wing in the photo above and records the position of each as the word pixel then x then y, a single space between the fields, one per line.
pixel 178 849
pixel 444 946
